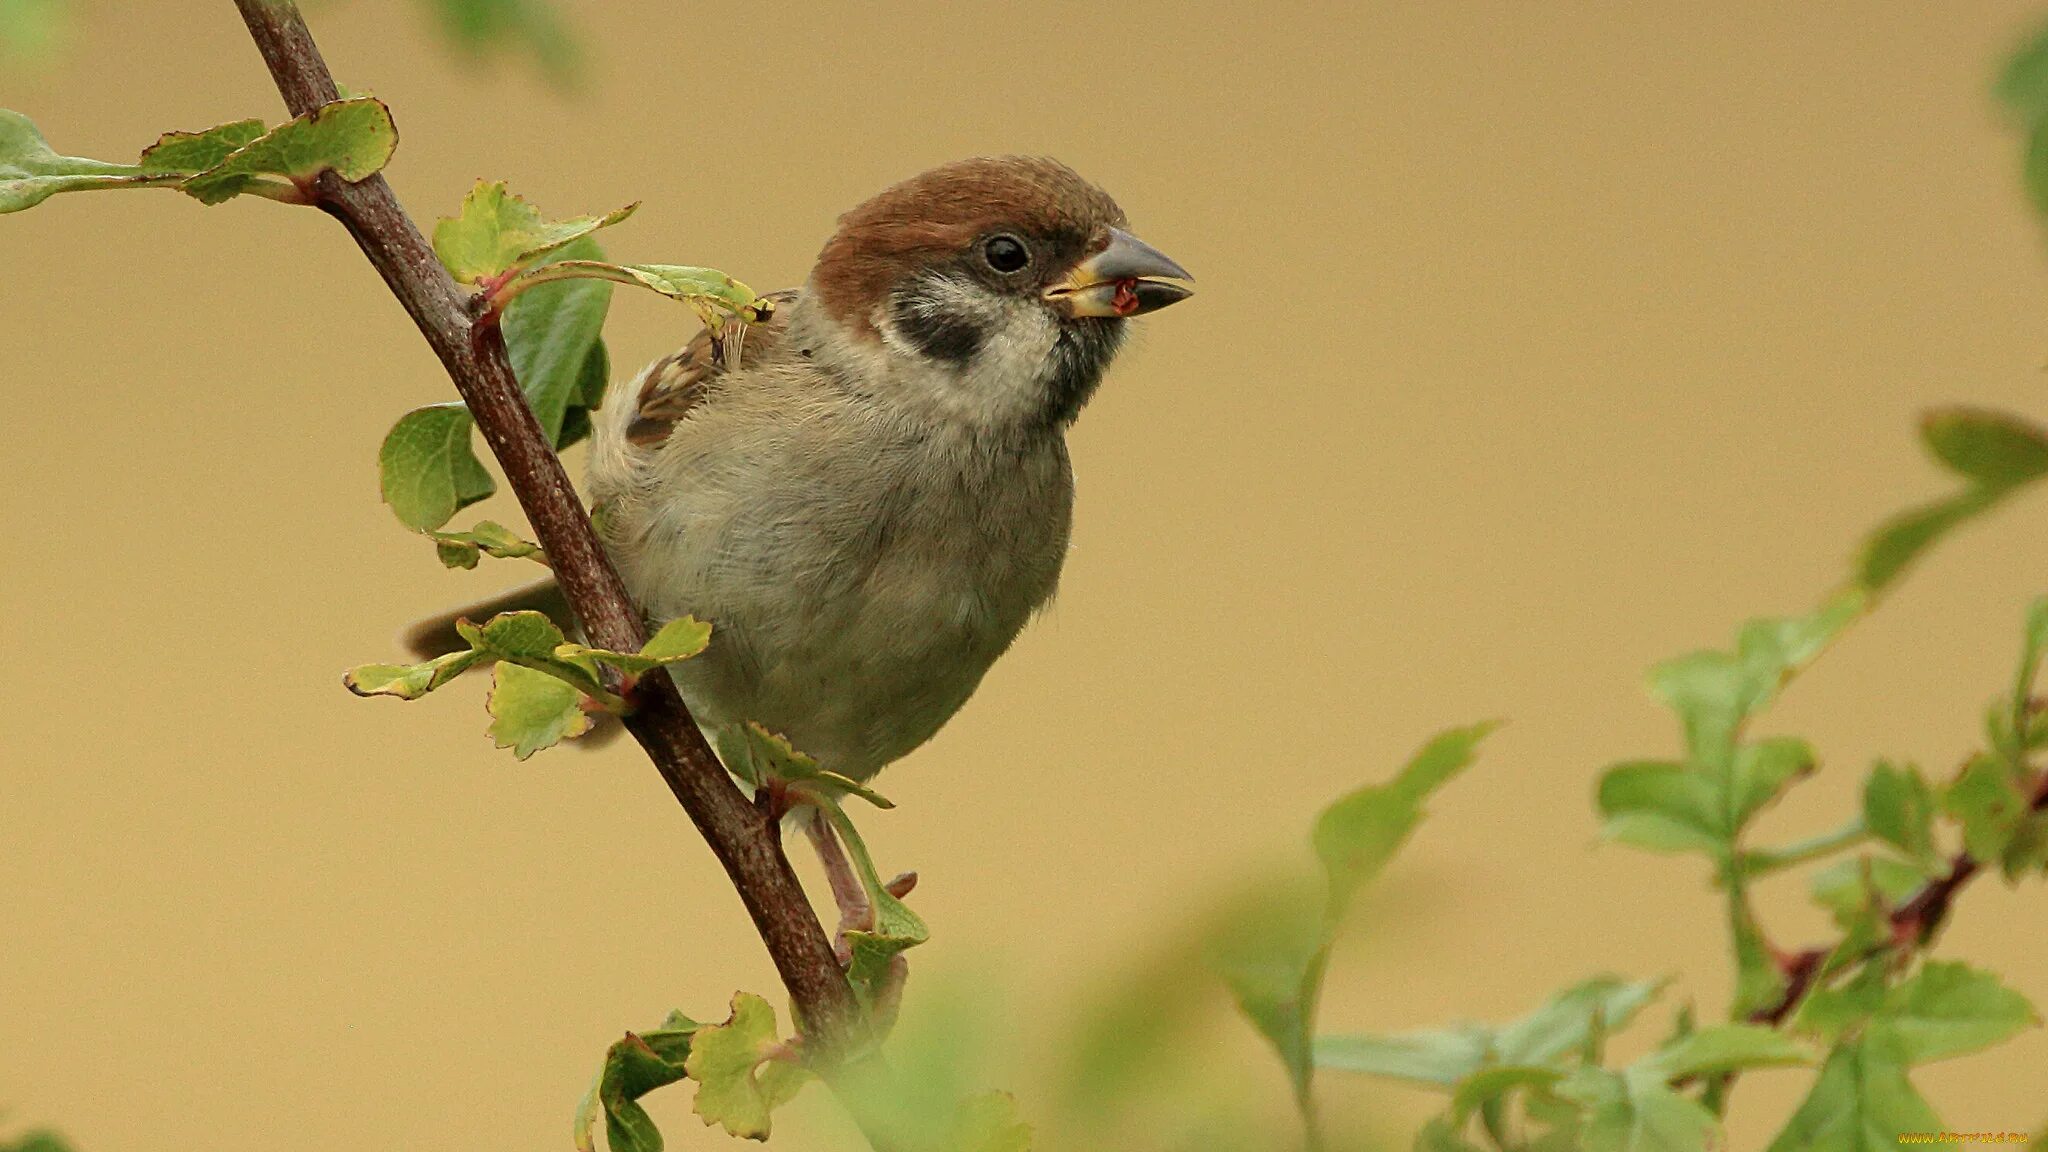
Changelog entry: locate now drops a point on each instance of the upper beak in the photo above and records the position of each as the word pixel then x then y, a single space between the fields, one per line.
pixel 1127 278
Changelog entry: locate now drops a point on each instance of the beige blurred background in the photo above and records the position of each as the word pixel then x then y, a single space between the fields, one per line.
pixel 1535 343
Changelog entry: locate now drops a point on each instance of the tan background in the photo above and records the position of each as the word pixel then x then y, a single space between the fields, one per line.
pixel 1534 343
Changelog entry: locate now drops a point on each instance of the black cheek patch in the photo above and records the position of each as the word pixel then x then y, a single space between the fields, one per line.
pixel 936 330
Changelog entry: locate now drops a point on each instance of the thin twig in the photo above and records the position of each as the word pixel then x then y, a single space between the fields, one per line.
pixel 746 844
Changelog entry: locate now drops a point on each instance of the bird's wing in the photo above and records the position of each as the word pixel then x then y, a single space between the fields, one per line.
pixel 671 387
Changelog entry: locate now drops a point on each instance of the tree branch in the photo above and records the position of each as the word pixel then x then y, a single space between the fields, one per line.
pixel 1913 924
pixel 746 843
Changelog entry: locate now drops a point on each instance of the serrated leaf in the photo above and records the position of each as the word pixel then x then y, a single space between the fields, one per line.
pixel 409 681
pixel 532 710
pixel 1861 1102
pixel 496 231
pixel 1637 1112
pixel 353 139
pixel 766 755
pixel 552 332
pixel 427 469
pixel 531 639
pixel 1898 808
pixel 1989 804
pixel 31 172
pixel 488 538
pixel 1725 1048
pixel 739 1081
pixel 1948 1009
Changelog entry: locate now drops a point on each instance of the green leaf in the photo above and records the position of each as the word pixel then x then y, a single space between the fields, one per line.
pixel 1901 540
pixel 1948 1009
pixel 532 710
pixel 989 1123
pixel 497 231
pixel 353 139
pixel 1273 957
pixel 530 639
pixel 1762 771
pixel 1898 808
pixel 1715 693
pixel 1989 804
pixel 186 153
pixel 1996 450
pixel 1725 1048
pixel 633 1067
pixel 1637 1112
pixel 427 469
pixel 1861 1102
pixel 553 335
pixel 464 549
pixel 1442 1134
pixel 766 756
pixel 714 292
pixel 1864 888
pixel 30 172
pixel 896 928
pixel 1661 807
pixel 678 640
pixel 1356 836
pixel 409 681
pixel 1564 1021
pixel 2023 83
pixel 41 1140
pixel 740 1078
pixel 1442 1057
pixel 1490 1087
pixel 478 27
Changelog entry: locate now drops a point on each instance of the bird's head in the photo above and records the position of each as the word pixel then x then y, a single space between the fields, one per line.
pixel 994 289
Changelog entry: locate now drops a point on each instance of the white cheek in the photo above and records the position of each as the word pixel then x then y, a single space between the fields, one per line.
pixel 1003 384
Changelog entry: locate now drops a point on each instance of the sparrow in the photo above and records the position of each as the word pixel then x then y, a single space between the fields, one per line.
pixel 867 491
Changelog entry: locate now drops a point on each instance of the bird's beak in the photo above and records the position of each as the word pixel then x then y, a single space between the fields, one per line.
pixel 1127 278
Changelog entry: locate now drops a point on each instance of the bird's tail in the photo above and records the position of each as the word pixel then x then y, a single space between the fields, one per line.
pixel 437 637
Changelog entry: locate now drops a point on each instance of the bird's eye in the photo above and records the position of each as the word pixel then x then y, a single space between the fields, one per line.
pixel 1006 253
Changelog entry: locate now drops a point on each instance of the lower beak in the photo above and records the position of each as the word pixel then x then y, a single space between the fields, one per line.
pixel 1128 278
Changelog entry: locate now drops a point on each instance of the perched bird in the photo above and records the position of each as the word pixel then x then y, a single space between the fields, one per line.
pixel 867 493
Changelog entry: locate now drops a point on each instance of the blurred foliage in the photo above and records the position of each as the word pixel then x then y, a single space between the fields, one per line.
pixel 35 32
pixel 1858 1013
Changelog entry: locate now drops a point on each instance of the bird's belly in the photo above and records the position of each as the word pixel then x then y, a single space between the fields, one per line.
pixel 865 673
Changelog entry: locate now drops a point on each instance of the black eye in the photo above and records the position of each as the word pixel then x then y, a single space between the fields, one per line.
pixel 1006 254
